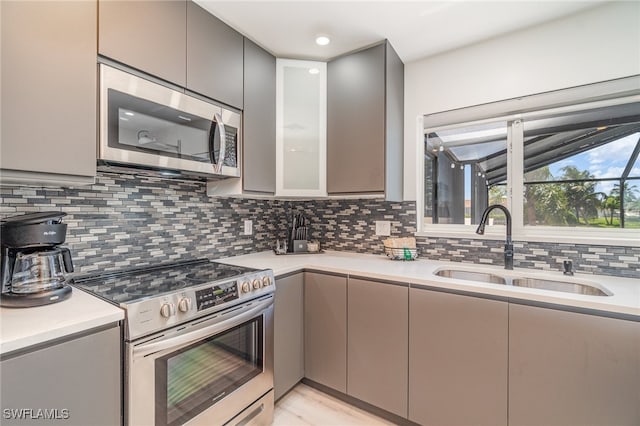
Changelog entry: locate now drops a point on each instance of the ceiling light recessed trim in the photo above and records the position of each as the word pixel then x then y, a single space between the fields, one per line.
pixel 322 40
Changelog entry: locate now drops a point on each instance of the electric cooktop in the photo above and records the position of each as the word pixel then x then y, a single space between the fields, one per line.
pixel 127 286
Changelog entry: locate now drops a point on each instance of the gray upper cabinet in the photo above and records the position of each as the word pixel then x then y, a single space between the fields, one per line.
pixel 177 41
pixel 288 362
pixel 146 35
pixel 48 92
pixel 377 345
pixel 81 376
pixel 568 368
pixel 365 97
pixel 458 357
pixel 259 120
pixel 214 57
pixel 325 330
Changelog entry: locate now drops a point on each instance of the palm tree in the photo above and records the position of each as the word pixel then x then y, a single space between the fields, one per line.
pixel 611 203
pixel 544 202
pixel 580 193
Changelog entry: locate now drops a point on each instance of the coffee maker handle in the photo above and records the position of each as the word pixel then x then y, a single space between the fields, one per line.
pixel 66 259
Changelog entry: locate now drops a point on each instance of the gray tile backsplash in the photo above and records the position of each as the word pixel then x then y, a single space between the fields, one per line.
pixel 605 260
pixel 349 225
pixel 123 221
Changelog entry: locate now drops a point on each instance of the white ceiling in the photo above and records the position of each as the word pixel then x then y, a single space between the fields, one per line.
pixel 416 29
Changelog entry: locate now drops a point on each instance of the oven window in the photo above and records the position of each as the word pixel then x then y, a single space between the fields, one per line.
pixel 137 124
pixel 194 378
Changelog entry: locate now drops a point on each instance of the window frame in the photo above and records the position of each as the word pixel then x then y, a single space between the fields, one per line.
pixel 603 94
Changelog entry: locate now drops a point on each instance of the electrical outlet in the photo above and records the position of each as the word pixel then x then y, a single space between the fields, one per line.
pixel 383 227
pixel 248 227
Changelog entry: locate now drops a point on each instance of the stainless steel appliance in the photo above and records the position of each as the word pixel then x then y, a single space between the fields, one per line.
pixel 34 265
pixel 147 126
pixel 198 342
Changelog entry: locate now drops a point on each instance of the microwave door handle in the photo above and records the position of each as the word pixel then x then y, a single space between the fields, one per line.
pixel 174 342
pixel 218 128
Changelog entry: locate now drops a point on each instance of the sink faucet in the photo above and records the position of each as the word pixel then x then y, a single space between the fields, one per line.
pixel 508 245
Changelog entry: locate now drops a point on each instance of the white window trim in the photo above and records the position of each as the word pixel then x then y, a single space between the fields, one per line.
pixel 515 179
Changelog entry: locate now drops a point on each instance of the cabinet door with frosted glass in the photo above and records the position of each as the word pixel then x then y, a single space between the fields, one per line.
pixel 301 115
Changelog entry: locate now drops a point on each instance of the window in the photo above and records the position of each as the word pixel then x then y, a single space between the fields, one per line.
pixel 462 172
pixel 573 168
pixel 576 164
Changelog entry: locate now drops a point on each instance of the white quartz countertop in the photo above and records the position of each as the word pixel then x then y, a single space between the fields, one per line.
pixel 24 327
pixel 625 298
pixel 21 328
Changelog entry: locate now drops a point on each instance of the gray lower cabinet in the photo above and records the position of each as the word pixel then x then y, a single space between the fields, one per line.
pixel 365 104
pixel 259 120
pixel 325 330
pixel 377 345
pixel 458 358
pixel 288 333
pixel 76 382
pixel 49 96
pixel 569 368
pixel 146 35
pixel 214 57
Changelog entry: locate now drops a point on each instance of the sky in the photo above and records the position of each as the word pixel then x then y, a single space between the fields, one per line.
pixel 606 161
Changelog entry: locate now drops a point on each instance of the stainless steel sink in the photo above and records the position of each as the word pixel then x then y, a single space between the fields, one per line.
pixel 461 274
pixel 539 283
pixel 564 286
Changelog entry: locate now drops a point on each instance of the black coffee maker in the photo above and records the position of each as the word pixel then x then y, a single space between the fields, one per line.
pixel 33 263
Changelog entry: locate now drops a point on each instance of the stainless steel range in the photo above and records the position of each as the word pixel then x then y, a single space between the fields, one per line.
pixel 198 342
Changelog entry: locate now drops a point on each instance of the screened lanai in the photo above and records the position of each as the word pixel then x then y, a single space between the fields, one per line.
pixel 580 168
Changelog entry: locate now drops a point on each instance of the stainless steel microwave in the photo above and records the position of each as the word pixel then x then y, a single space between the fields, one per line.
pixel 151 127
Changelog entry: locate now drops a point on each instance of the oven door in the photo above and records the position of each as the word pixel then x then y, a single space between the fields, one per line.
pixel 205 372
pixel 148 125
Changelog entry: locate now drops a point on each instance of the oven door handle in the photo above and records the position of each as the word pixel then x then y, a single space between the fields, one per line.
pixel 194 336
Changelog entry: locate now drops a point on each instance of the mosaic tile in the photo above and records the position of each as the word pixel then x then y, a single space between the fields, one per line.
pixel 124 220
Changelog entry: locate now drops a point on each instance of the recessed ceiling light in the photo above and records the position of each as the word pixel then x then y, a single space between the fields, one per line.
pixel 314 71
pixel 322 40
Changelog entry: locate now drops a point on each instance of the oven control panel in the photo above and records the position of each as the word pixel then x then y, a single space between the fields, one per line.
pixel 171 309
pixel 216 295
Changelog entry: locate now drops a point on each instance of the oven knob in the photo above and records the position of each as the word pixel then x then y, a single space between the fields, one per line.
pixel 256 284
pixel 246 287
pixel 167 310
pixel 184 304
pixel 266 281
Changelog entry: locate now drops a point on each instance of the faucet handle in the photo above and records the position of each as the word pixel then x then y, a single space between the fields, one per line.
pixel 568 267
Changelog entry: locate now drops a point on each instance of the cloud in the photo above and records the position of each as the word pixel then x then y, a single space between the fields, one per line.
pixel 611 172
pixel 616 153
pixel 605 187
pixel 606 161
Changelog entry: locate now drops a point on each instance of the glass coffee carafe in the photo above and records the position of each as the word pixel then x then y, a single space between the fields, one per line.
pixel 40 270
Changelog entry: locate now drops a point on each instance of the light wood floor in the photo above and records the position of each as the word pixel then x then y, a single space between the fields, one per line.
pixel 304 405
